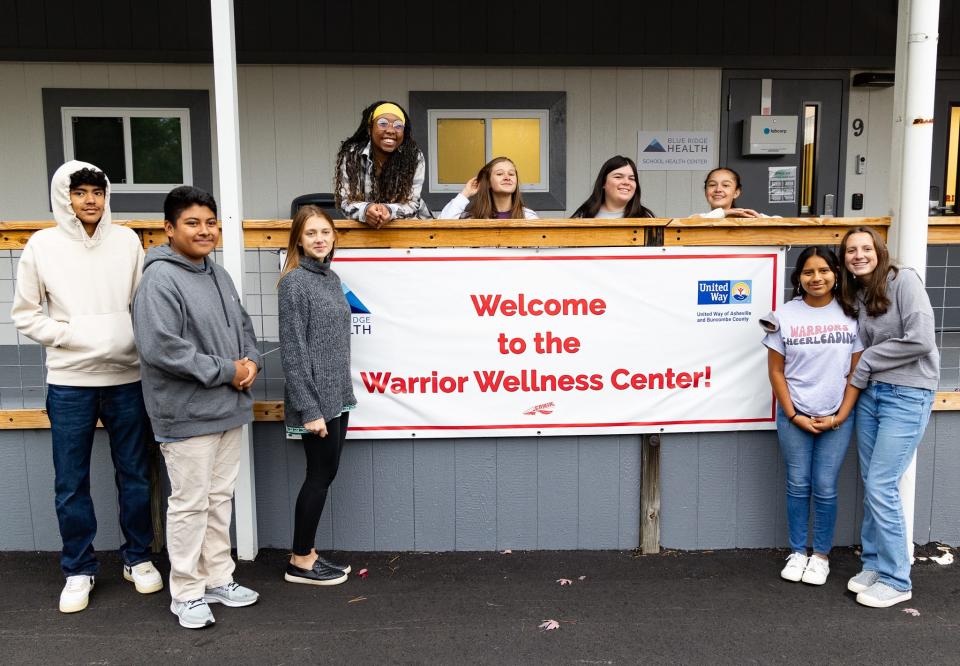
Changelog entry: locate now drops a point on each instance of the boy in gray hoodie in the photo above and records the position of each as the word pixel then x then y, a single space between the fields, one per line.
pixel 198 357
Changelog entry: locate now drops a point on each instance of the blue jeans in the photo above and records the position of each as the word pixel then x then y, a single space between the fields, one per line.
pixel 890 423
pixel 813 465
pixel 73 412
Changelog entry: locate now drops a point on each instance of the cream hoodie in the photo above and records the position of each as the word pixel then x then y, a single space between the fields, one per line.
pixel 87 283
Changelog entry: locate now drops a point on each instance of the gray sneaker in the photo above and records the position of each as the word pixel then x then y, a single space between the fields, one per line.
pixel 862 581
pixel 193 614
pixel 231 594
pixel 881 595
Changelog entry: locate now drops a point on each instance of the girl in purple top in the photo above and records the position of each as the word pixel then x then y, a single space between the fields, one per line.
pixel 494 194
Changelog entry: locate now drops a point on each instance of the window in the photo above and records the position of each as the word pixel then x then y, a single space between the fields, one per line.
pixel 464 140
pixel 147 141
pixel 950 191
pixel 140 150
pixel 459 132
pixel 809 159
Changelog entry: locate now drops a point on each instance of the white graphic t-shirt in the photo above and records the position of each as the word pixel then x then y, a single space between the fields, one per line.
pixel 816 344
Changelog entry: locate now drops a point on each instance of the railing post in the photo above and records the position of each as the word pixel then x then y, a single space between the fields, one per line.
pixel 650 460
pixel 650 494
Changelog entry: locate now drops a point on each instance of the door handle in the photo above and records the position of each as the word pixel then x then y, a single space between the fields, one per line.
pixel 828 205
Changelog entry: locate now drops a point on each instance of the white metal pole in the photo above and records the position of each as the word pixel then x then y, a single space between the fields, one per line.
pixel 916 77
pixel 231 216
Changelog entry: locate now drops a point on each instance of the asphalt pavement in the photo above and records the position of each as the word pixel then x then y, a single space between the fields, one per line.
pixel 487 608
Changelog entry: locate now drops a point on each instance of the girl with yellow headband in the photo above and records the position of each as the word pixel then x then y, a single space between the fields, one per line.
pixel 380 169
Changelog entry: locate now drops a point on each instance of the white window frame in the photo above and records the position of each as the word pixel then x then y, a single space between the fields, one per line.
pixel 488 115
pixel 68 113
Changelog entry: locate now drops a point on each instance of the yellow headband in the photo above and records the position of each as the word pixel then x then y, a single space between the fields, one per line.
pixel 388 108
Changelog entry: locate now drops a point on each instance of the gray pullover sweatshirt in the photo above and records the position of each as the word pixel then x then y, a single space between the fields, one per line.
pixel 900 345
pixel 190 328
pixel 315 344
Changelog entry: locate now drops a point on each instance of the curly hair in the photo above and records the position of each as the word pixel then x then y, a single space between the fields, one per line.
pixel 394 182
pixel 481 204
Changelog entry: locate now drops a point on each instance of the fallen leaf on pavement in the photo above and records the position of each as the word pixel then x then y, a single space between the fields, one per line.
pixel 547 625
pixel 946 558
pixel 363 573
pixel 564 581
pixel 357 599
pixel 912 611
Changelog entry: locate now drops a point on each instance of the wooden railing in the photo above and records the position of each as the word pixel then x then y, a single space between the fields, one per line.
pixel 519 233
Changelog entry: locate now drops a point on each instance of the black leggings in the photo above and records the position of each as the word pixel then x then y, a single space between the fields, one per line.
pixel 323 460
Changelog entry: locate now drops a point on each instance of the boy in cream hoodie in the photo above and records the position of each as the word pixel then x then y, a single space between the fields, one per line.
pixel 86 269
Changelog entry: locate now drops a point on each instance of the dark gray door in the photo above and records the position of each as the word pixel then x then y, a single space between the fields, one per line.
pixel 820 107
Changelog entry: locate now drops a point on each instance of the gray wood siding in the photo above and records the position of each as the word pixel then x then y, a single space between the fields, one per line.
pixel 720 490
pixel 726 490
pixel 292 120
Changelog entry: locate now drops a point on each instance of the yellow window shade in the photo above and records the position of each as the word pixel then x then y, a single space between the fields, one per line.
pixel 950 196
pixel 461 149
pixel 519 139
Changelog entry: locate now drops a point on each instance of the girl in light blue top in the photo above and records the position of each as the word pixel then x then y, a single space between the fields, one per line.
pixel 813 346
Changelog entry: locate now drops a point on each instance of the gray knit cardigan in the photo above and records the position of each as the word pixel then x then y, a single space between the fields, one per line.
pixel 314 343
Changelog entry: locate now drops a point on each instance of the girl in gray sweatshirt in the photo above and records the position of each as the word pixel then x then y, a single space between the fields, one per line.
pixel 315 348
pixel 897 374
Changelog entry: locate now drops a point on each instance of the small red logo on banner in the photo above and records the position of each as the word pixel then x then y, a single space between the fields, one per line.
pixel 545 408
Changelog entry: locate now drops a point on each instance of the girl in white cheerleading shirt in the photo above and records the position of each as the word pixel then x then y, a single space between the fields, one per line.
pixel 813 346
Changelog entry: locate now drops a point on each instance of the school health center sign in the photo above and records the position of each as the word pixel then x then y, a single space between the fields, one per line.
pixel 480 342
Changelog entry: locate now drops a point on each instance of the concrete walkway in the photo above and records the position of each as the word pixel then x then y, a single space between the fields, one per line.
pixel 465 608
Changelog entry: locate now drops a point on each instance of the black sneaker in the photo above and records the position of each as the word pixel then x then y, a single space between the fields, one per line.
pixel 318 575
pixel 345 568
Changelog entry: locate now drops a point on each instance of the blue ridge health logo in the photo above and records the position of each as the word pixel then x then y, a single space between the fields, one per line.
pixel 724 292
pixel 655 147
pixel 361 319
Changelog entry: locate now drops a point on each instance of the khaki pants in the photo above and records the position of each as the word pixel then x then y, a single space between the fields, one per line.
pixel 202 471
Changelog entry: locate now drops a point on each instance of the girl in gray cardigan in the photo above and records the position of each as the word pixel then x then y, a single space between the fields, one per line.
pixel 315 348
pixel 897 374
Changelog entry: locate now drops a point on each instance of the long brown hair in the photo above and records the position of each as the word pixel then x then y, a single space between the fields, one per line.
pixel 481 204
pixel 873 286
pixel 591 206
pixel 294 249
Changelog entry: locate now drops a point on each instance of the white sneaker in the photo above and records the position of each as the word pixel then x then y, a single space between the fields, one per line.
pixel 796 564
pixel 816 572
pixel 193 614
pixel 144 577
pixel 75 594
pixel 881 595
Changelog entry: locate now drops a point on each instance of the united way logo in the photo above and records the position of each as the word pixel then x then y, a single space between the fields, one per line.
pixel 740 292
pixel 724 292
pixel 361 319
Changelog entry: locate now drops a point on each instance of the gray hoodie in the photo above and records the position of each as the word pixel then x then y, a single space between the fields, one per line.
pixel 190 328
pixel 901 344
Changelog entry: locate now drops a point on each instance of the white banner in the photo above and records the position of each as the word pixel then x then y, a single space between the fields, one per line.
pixel 670 150
pixel 513 342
